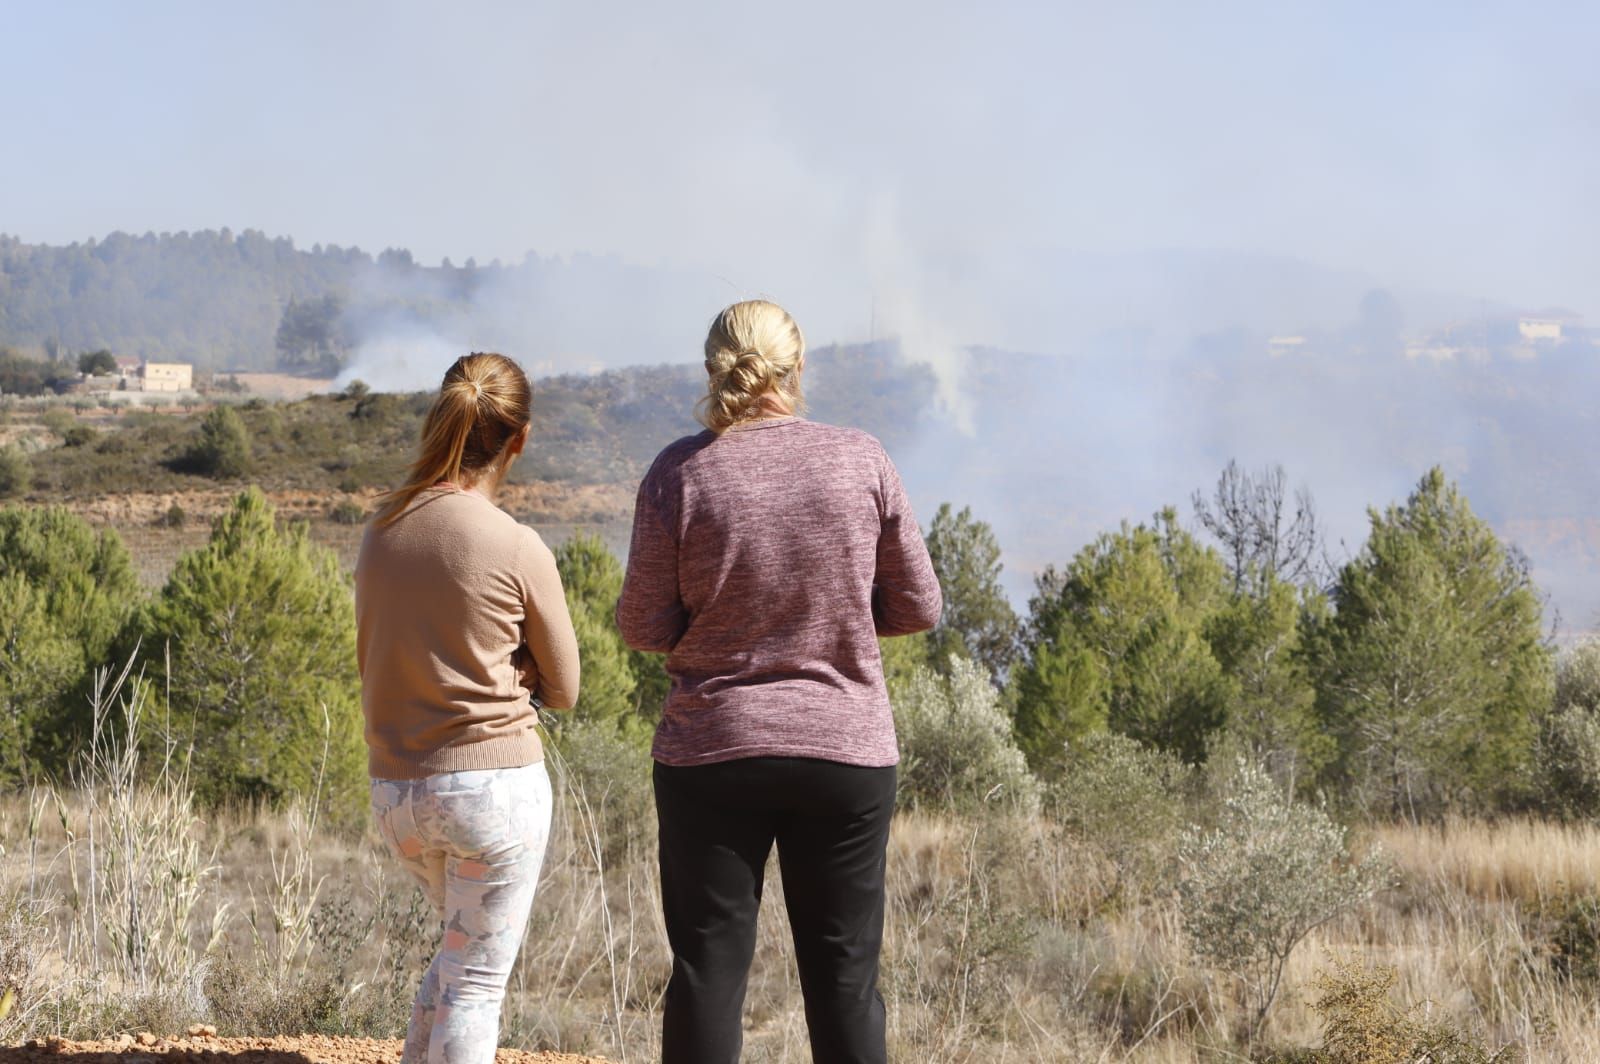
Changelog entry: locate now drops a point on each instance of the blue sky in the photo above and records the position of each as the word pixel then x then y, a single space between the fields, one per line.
pixel 816 150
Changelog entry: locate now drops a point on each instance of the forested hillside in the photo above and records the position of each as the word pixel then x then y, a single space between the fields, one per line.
pixel 226 300
pixel 594 429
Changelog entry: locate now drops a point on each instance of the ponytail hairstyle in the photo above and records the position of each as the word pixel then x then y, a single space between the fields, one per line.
pixel 753 353
pixel 482 405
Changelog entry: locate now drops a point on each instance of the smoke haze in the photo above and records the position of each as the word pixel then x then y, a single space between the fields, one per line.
pixel 1144 193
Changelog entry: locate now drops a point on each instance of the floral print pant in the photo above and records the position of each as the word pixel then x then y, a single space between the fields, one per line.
pixel 474 842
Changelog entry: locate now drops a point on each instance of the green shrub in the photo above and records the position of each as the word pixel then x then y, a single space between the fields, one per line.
pixel 956 748
pixel 900 657
pixel 41 665
pixel 254 637
pixel 78 436
pixel 222 446
pixel 16 471
pixel 1572 938
pixel 1126 799
pixel 1271 872
pixel 347 512
pixel 65 593
pixel 174 517
pixel 604 773
pixel 1567 750
pixel 58 421
pixel 620 685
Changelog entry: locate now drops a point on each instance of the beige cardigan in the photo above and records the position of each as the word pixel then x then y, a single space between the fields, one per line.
pixel 460 621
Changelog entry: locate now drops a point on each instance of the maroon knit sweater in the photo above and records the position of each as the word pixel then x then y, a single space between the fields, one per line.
pixel 765 562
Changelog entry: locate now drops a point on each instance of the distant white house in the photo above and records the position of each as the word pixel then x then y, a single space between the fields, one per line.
pixel 166 377
pixel 136 375
pixel 1539 329
pixel 1278 346
pixel 1432 350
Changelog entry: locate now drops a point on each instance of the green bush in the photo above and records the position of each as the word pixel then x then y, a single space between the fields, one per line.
pixel 16 471
pixel 956 748
pixel 254 637
pixel 65 593
pixel 620 685
pixel 41 664
pixel 347 512
pixel 222 446
pixel 1567 750
pixel 1126 799
pixel 78 436
pixel 604 774
pixel 1269 873
pixel 1571 933
pixel 58 421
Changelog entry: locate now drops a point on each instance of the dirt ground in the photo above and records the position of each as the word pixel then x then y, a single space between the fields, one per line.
pixel 556 510
pixel 557 501
pixel 281 385
pixel 298 1049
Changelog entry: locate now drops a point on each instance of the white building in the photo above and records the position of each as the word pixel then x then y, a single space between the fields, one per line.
pixel 1535 330
pixel 1278 346
pixel 166 377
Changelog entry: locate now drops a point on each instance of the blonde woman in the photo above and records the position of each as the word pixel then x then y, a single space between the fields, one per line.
pixel 462 633
pixel 769 553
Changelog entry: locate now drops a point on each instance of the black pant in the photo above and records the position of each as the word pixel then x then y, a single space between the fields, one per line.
pixel 718 824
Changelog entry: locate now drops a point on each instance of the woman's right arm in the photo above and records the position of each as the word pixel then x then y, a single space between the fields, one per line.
pixel 547 627
pixel 905 589
pixel 650 614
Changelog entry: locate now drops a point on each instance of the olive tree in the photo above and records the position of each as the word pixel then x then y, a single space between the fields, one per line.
pixel 1271 871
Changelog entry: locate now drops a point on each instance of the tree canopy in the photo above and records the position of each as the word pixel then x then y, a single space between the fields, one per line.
pixel 1432 666
pixel 254 637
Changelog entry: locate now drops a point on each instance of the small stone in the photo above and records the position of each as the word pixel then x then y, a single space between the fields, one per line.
pixel 54 1044
pixel 124 1040
pixel 145 1038
pixel 201 1030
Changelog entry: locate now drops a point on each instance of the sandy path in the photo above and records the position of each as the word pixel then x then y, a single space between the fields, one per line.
pixel 289 1049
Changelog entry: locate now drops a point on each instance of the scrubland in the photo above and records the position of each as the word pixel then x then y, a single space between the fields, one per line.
pixel 1010 935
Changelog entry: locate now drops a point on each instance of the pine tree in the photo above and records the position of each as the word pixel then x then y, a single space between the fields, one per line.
pixel 978 621
pixel 68 592
pixel 1434 666
pixel 1116 642
pixel 254 637
pixel 620 685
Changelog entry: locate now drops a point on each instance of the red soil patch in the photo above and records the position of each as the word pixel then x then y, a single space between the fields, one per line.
pixel 289 1049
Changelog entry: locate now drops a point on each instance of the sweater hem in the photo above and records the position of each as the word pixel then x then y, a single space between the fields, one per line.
pixel 734 753
pixel 501 751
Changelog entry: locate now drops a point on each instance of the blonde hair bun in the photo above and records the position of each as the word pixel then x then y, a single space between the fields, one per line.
pixel 753 350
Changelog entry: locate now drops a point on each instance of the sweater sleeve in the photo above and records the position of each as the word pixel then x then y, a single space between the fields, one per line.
pixel 905 590
pixel 650 614
pixel 547 627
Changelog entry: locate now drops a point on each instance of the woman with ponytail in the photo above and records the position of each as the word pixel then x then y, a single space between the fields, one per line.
pixel 769 553
pixel 462 634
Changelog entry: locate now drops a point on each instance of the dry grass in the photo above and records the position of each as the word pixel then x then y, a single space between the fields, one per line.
pixel 1000 943
pixel 1513 860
